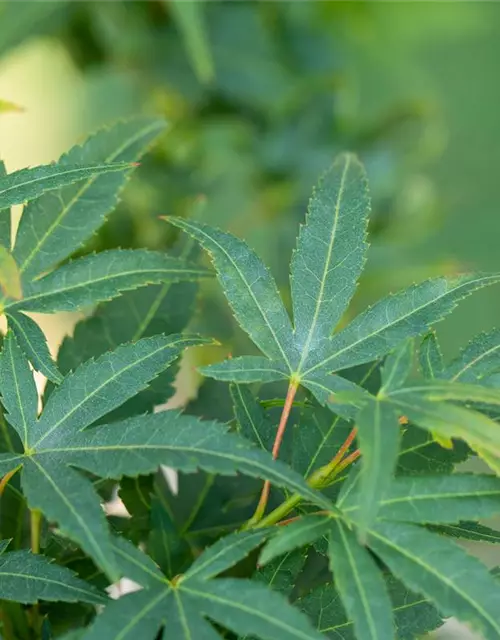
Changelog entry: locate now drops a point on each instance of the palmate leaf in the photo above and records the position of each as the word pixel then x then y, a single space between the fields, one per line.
pixel 59 440
pixel 100 277
pixel 421 454
pixel 28 184
pixel 479 359
pixel 29 578
pixel 55 225
pixel 242 606
pixel 325 268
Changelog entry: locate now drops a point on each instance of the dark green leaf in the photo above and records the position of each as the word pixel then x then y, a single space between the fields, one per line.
pixel 430 357
pixel 249 288
pixel 5 215
pixel 397 367
pixel 32 341
pixel 28 578
pixel 252 421
pixel 429 564
pixel 294 535
pixel 478 360
pixel 102 276
pixel 330 254
pixel 19 395
pixel 27 184
pixel 246 369
pixel 190 21
pixel 53 226
pixel 360 584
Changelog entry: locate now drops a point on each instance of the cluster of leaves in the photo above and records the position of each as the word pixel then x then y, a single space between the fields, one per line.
pixel 347 535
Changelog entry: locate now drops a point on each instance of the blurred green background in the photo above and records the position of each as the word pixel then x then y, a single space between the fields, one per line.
pixel 259 97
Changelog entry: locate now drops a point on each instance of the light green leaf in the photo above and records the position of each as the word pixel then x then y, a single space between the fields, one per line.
pixel 225 553
pixel 97 387
pixel 434 499
pixel 361 585
pixel 29 578
pixel 246 369
pixel 5 217
pixel 10 277
pixel 102 276
pixel 297 534
pixel 404 315
pixel 18 390
pixel 430 356
pixel 397 367
pixel 378 437
pixel 330 253
pixel 189 17
pixel 34 344
pixel 56 224
pixel 479 359
pixel 434 566
pixel 450 421
pixel 27 184
pixel 251 419
pixel 442 391
pixel 249 288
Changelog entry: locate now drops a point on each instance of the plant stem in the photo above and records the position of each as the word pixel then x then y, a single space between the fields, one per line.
pixel 36 524
pixel 285 414
pixel 320 478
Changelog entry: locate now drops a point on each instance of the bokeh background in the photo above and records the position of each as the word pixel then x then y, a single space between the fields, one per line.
pixel 259 97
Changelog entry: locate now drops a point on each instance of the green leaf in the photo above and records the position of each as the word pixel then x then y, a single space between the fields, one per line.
pixel 56 224
pixel 139 445
pixel 189 17
pixel 246 369
pixel 10 280
pixel 32 341
pixel 283 573
pixel 478 360
pixel 442 391
pixel 102 276
pixel 252 421
pixel 326 387
pixel 413 614
pixel 28 578
pixel 397 367
pixel 27 184
pixel 404 315
pixel 433 499
pixel 450 421
pixel 330 253
pixel 225 553
pixel 5 217
pixel 242 606
pixel 294 535
pixel 360 584
pixel 430 357
pixel 378 436
pixel 165 544
pixel 420 453
pixel 468 531
pixel 249 288
pixel 19 394
pixel 97 387
pixel 434 566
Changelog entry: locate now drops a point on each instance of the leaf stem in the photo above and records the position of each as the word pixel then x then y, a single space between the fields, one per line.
pixel 285 414
pixel 320 478
pixel 36 525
